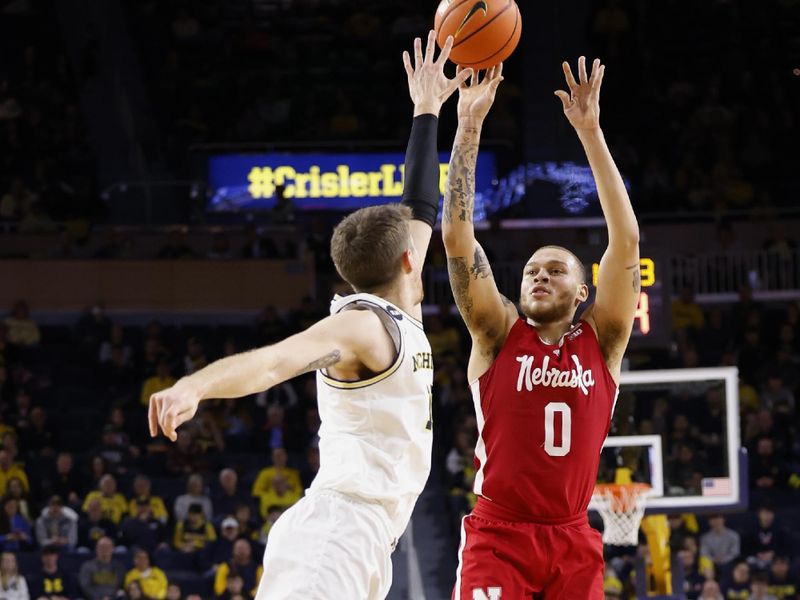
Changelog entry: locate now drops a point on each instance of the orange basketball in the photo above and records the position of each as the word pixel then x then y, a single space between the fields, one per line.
pixel 485 32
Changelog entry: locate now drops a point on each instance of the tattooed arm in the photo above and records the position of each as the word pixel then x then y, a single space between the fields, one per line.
pixel 351 342
pixel 618 279
pixel 487 314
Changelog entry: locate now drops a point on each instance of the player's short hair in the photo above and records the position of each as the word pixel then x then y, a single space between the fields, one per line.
pixel 368 244
pixel 578 261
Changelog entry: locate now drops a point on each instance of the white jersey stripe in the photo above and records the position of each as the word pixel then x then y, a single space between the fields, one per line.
pixel 460 559
pixel 480 447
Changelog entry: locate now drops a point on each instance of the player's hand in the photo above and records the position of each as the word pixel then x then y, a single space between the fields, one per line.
pixel 428 85
pixel 171 408
pixel 475 97
pixel 582 103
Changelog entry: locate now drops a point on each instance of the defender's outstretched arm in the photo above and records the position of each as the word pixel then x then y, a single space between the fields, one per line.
pixel 346 340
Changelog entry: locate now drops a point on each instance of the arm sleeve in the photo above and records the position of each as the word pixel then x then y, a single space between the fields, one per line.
pixel 421 189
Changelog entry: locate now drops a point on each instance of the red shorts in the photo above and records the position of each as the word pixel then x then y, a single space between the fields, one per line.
pixel 511 560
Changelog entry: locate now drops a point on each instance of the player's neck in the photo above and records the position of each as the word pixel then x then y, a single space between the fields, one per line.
pixel 551 333
pixel 401 296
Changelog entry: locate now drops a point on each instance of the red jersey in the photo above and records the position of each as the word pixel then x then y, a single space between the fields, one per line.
pixel 543 413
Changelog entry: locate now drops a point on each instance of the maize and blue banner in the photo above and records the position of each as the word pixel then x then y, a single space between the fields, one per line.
pixel 244 182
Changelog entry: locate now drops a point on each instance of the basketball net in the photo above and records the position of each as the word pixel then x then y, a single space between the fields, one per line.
pixel 621 505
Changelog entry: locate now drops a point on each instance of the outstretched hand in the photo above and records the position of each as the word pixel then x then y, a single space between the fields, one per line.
pixel 171 408
pixel 428 85
pixel 476 97
pixel 582 103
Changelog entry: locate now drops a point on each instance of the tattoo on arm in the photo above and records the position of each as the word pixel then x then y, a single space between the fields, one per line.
pixel 480 267
pixel 459 282
pixel 459 195
pixel 330 359
pixel 637 277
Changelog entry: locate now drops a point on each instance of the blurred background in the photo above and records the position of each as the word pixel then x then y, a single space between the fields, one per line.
pixel 158 211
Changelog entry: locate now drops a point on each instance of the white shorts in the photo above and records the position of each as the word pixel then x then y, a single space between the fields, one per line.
pixel 328 546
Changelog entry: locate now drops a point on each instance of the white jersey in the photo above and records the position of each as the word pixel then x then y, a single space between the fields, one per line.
pixel 376 434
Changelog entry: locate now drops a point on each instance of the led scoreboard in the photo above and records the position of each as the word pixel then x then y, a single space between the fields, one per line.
pixel 651 324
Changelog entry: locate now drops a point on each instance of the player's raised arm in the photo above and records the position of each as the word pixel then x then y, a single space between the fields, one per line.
pixel 346 340
pixel 487 314
pixel 618 279
pixel 429 88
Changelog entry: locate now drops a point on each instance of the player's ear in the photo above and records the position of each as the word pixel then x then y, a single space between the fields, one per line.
pixel 409 260
pixel 583 293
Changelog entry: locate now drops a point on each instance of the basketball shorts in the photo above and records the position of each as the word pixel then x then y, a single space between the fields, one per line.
pixel 328 546
pixel 506 560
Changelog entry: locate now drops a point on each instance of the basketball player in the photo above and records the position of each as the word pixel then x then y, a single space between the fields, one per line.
pixel 544 388
pixel 374 377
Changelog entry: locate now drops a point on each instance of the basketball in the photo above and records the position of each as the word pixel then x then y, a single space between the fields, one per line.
pixel 485 32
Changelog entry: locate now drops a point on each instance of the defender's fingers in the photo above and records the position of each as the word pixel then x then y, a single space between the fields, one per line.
pixel 569 76
pixel 582 70
pixel 564 97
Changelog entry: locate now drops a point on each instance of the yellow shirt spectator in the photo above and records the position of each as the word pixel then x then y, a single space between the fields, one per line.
pixel 114 506
pixel 155 384
pixel 193 533
pixel 153 581
pixel 263 482
pixel 9 470
pixel 23 332
pixel 686 313
pixel 157 508
pixel 279 494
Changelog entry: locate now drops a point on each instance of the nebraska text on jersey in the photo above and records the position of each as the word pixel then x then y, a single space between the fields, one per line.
pixel 574 378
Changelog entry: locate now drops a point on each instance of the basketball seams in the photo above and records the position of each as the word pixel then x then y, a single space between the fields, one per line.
pixel 485 25
pixel 445 16
pixel 508 41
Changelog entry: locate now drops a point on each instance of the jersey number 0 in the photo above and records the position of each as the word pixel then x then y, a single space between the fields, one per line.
pixel 549 428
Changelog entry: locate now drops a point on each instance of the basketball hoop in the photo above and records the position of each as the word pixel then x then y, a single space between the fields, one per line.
pixel 622 507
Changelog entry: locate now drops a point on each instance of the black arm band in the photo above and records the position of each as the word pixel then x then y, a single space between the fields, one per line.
pixel 421 190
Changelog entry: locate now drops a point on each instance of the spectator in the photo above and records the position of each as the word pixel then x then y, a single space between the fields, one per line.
pixel 782 584
pixel 57 526
pixel 112 502
pixel 263 483
pixel 221 549
pixel 22 329
pixel 195 358
pixel 141 528
pixel 759 588
pixel 767 535
pixel 15 490
pixel 234 589
pixel 93 525
pixel 711 591
pixel 765 471
pixel 101 578
pixel 142 487
pixel 118 452
pixel 185 455
pixel 720 544
pixel 152 580
pixel 273 514
pixel 220 247
pixel 162 380
pixel 686 313
pixel 248 526
pixel 193 533
pixel 133 591
pixel 227 495
pixel 116 340
pixel 64 480
pixel 739 586
pixel 176 247
pixel 279 494
pixel 241 564
pixel 8 470
pixel 40 438
pixel 52 582
pixel 15 531
pixel 12 584
pixel 194 495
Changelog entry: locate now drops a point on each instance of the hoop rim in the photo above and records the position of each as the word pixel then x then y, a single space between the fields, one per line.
pixel 617 489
